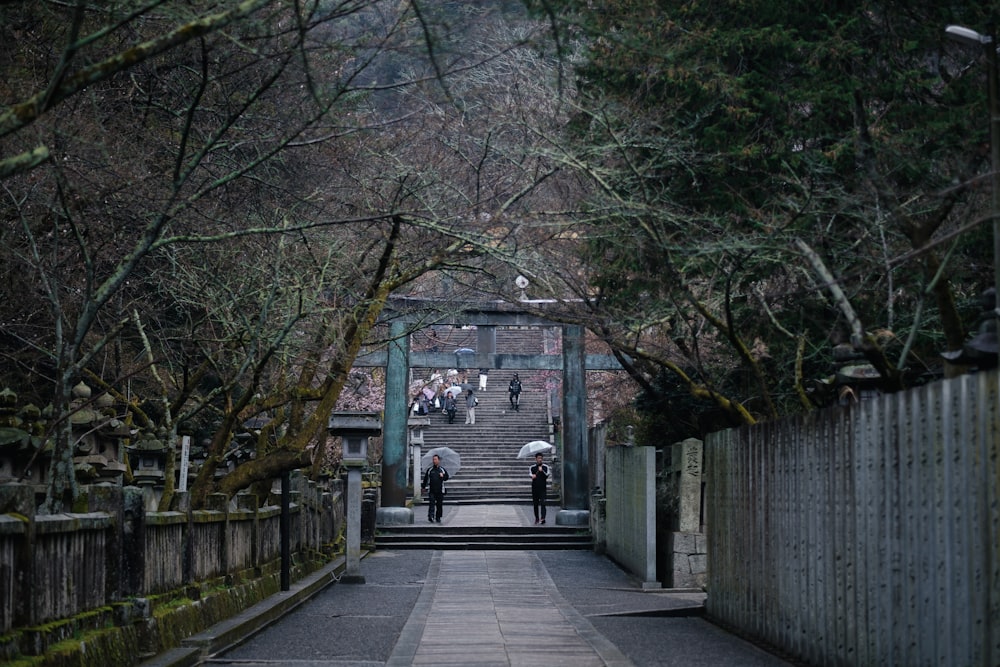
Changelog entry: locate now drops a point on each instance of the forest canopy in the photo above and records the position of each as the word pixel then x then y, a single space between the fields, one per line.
pixel 207 205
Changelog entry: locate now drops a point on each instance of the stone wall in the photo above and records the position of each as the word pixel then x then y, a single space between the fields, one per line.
pixel 684 549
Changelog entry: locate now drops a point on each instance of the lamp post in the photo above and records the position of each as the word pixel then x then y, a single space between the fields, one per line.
pixel 988 44
pixel 354 428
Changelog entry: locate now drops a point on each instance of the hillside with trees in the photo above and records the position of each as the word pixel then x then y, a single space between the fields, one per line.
pixel 768 181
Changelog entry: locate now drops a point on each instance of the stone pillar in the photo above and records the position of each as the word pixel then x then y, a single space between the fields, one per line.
pixel 598 521
pixel 686 546
pixel 686 458
pixel 575 468
pixel 352 573
pixel 394 429
pixel 417 426
pixel 486 343
pixel 417 472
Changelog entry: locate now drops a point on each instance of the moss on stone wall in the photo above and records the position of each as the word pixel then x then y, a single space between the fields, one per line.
pixel 175 616
pixel 98 648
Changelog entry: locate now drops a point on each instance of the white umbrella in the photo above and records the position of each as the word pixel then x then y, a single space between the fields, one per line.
pixel 450 459
pixel 534 447
pixel 455 390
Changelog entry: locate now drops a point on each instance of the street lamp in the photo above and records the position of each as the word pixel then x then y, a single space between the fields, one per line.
pixel 988 44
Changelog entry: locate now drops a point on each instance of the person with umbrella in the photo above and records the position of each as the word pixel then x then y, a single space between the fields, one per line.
pixel 539 479
pixel 433 481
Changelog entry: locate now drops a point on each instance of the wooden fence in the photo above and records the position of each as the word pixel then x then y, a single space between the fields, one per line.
pixel 867 535
pixel 59 566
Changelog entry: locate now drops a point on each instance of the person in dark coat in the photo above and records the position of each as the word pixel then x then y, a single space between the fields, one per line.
pixel 514 389
pixel 539 481
pixel 450 407
pixel 433 481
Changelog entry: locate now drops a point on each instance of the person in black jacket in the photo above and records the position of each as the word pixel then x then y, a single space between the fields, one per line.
pixel 433 481
pixel 514 389
pixel 539 480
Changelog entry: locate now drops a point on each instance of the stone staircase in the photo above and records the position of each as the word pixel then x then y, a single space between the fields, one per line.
pixel 490 469
pixel 434 536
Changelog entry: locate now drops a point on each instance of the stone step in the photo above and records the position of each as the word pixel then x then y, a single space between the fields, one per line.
pixel 436 536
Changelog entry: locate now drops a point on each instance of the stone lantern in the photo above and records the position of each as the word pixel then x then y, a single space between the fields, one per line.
pixel 148 458
pixel 17 446
pixel 354 429
pixel 82 418
pixel 856 379
pixel 98 452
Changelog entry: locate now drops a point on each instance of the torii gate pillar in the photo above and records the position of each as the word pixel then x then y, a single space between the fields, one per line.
pixel 575 464
pixel 393 510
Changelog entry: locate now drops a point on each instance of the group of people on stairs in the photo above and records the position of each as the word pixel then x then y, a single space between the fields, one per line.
pixel 434 477
pixel 437 396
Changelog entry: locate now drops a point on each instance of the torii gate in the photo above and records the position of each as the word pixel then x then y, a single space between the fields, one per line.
pixel 397 360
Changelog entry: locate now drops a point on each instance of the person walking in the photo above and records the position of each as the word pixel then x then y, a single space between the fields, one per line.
pixel 470 407
pixel 482 378
pixel 433 482
pixel 514 391
pixel 450 407
pixel 539 480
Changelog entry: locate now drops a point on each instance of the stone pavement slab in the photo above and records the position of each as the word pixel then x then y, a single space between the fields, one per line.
pixel 494 516
pixel 498 608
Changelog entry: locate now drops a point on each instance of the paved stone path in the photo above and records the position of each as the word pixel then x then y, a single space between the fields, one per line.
pixel 497 608
pixel 492 608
